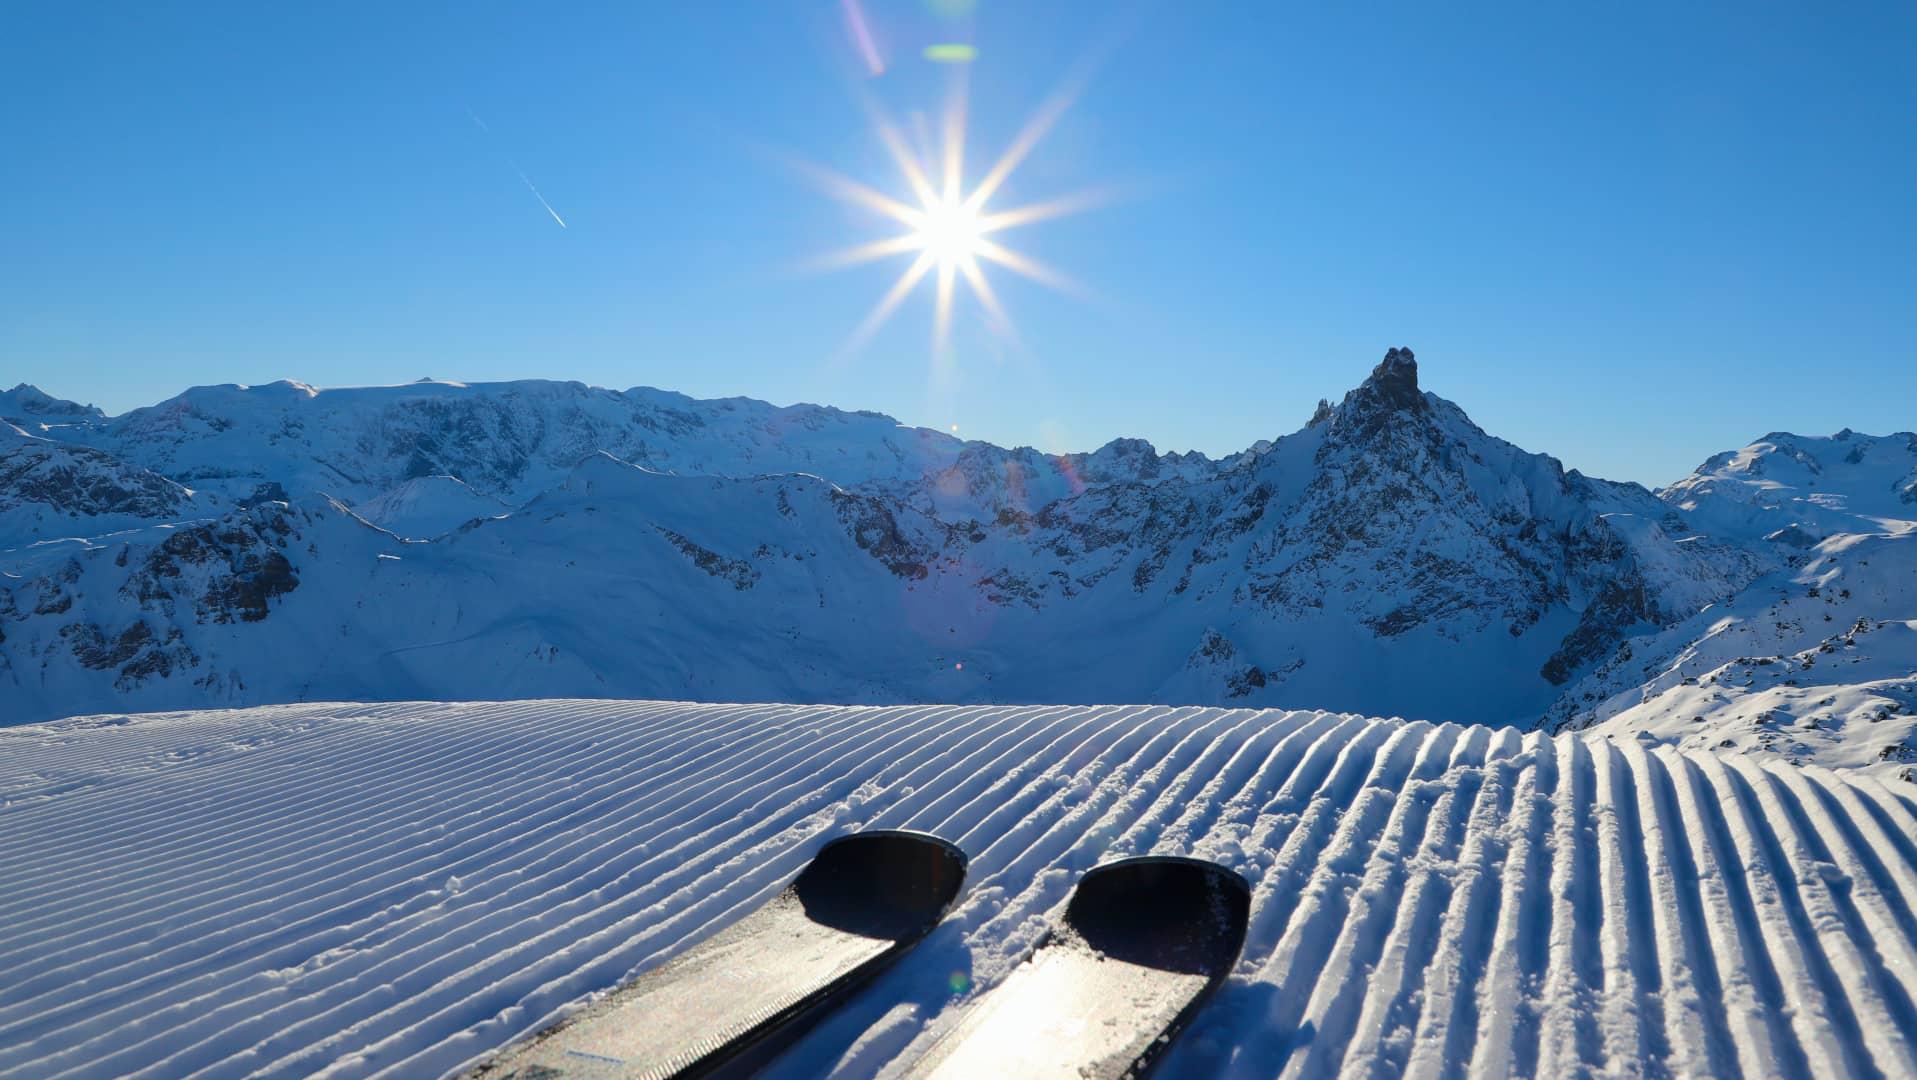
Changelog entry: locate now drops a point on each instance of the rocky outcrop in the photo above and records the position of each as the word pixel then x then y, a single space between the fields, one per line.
pixel 225 571
pixel 51 490
pixel 79 482
pixel 875 528
pixel 738 572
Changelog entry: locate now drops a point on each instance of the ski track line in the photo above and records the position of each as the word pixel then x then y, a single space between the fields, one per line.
pixel 1422 813
pixel 1332 1008
pixel 1846 962
pixel 1310 925
pixel 1463 937
pixel 1568 1035
pixel 307 831
pixel 1751 993
pixel 1507 1035
pixel 1636 1042
pixel 1692 1002
pixel 349 890
pixel 353 856
pixel 148 909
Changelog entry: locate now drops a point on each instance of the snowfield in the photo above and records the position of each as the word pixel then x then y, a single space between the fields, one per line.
pixel 401 889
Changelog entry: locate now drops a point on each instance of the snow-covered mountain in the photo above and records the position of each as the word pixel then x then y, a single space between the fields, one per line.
pixel 1816 661
pixel 36 413
pixel 1799 489
pixel 511 441
pixel 1390 557
pixel 51 490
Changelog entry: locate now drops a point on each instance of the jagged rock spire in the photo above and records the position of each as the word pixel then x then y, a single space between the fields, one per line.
pixel 1389 395
pixel 1395 380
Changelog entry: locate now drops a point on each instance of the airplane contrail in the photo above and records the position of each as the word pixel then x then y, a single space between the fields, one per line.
pixel 537 195
pixel 523 178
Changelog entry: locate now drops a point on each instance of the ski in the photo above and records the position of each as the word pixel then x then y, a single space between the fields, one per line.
pixel 732 1001
pixel 1143 943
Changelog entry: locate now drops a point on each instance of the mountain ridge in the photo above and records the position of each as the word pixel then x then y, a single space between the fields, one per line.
pixel 1388 557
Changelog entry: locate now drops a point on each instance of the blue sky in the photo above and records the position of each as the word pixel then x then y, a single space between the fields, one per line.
pixel 1629 236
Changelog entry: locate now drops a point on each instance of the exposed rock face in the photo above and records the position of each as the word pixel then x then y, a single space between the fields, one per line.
pixel 1620 607
pixel 1393 386
pixel 226 571
pixel 50 489
pixel 132 610
pixel 83 482
pixel 875 528
pixel 737 571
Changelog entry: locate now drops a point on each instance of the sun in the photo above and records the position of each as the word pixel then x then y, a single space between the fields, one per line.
pixel 950 233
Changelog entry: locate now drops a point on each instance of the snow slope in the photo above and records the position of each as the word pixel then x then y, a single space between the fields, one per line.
pixel 1814 663
pixel 1806 486
pixel 428 506
pixel 39 413
pixel 399 889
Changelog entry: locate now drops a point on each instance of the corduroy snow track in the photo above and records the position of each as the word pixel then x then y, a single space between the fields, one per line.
pixel 401 889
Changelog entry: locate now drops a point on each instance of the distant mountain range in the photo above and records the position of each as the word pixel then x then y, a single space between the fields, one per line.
pixel 243 545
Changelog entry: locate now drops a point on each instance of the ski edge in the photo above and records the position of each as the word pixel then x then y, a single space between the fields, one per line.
pixel 751 1050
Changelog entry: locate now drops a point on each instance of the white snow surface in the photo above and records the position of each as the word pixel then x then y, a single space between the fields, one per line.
pixel 1813 486
pixel 401 889
pixel 1817 662
pixel 429 506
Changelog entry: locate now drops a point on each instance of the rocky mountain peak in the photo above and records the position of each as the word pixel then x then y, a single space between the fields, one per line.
pixel 1387 405
pixel 1395 381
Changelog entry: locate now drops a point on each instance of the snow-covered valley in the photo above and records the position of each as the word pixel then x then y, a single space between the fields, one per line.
pixel 246 545
pixel 400 889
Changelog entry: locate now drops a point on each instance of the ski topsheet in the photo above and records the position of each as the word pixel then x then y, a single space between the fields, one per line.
pixel 856 907
pixel 1143 943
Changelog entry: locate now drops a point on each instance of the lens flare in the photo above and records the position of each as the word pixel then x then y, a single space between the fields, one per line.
pixel 950 229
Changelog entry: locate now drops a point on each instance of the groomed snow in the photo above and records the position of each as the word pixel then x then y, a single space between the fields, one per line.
pixel 399 889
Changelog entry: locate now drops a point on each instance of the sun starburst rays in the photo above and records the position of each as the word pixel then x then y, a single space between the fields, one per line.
pixel 950 231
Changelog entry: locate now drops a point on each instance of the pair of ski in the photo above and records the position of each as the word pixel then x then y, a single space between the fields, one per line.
pixel 1142 943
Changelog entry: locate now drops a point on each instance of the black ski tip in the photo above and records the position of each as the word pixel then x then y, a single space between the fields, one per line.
pixel 882 883
pixel 1163 911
